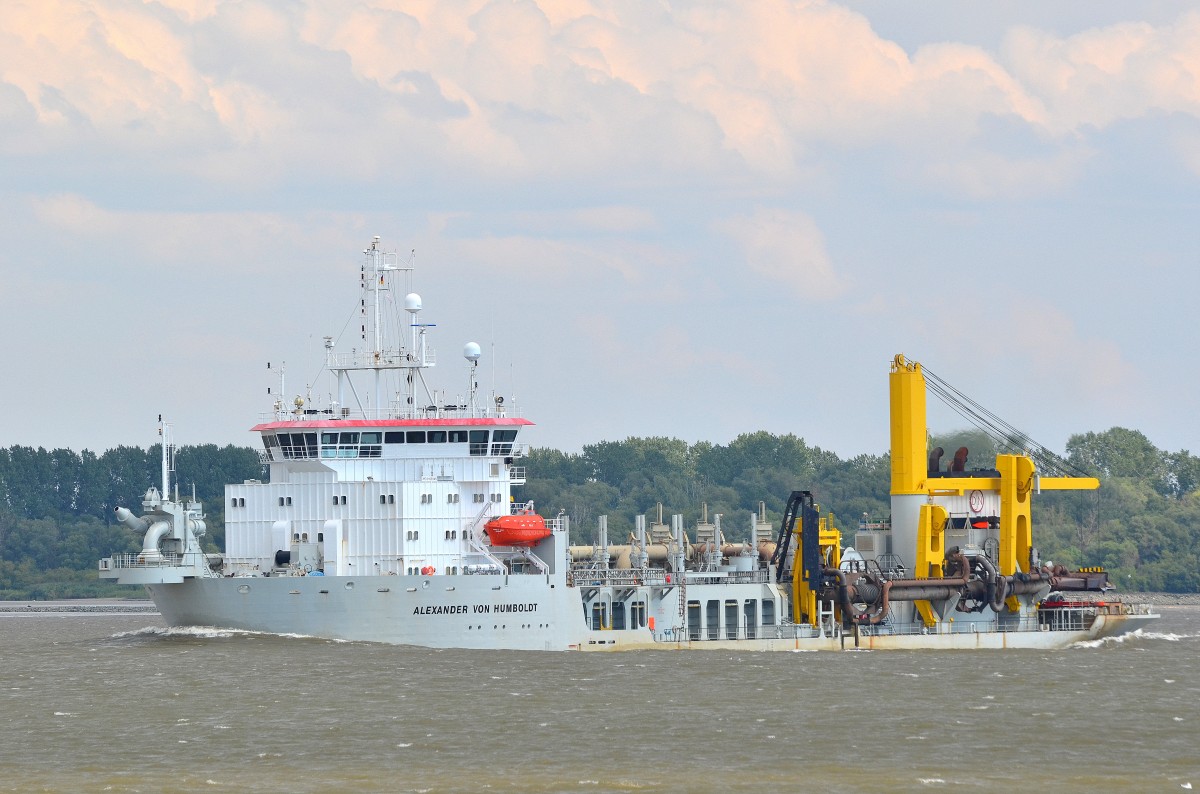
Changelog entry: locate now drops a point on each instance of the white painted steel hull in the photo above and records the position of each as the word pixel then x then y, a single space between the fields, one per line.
pixel 517 613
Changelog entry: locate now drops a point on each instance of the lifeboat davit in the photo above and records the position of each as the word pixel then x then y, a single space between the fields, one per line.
pixel 518 530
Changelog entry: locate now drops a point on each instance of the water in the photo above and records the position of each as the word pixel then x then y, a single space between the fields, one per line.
pixel 115 703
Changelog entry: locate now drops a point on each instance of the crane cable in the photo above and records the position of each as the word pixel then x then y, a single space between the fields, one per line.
pixel 1006 436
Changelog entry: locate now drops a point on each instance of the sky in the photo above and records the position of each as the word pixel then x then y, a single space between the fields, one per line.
pixel 656 217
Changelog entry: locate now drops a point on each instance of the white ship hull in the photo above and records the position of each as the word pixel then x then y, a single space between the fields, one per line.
pixel 524 613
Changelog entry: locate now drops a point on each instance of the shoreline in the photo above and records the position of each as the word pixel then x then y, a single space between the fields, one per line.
pixel 106 606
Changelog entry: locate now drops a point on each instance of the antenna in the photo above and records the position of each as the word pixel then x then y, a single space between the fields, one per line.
pixel 471 353
pixel 168 456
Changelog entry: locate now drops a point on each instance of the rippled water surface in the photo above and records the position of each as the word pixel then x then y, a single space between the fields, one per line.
pixel 116 703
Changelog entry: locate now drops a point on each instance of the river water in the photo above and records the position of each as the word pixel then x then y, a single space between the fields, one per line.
pixel 117 703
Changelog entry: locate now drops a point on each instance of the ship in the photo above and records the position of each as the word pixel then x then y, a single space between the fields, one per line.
pixel 387 514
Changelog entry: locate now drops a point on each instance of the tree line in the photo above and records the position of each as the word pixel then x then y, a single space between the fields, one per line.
pixel 56 507
pixel 56 510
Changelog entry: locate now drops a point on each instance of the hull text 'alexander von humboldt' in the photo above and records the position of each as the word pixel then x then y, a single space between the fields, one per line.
pixel 388 517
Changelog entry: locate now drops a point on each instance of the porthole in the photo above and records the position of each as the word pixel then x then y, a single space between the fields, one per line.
pixel 349 585
pixel 243 588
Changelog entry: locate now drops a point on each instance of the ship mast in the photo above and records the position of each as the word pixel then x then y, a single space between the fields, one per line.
pixel 383 350
pixel 168 456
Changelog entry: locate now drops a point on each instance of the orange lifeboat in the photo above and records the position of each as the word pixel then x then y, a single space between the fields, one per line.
pixel 519 530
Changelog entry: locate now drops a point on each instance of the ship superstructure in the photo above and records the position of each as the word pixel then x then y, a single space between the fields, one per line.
pixel 388 516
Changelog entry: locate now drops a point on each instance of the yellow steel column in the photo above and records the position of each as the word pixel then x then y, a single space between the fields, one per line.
pixel 909 462
pixel 931 553
pixel 931 542
pixel 1016 539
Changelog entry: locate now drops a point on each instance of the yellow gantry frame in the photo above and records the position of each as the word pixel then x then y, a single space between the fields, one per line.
pixel 804 598
pixel 1016 483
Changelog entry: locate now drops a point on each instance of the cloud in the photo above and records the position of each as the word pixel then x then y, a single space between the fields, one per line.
pixel 786 246
pixel 245 94
pixel 1099 76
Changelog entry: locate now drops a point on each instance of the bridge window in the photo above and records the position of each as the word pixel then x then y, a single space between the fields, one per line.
pixel 415 437
pixel 393 437
pixel 298 445
pixel 371 445
pixel 436 437
pixel 479 442
pixel 458 436
pixel 502 441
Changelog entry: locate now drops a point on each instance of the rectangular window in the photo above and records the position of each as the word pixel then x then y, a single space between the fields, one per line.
pixel 372 438
pixel 477 498
pixel 382 499
pixel 329 438
pixel 415 437
pixel 436 436
pixel 393 437
pixel 479 441
pixel 348 438
pixel 458 436
pixel 502 441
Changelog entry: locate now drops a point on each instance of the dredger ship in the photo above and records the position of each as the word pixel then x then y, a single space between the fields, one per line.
pixel 388 517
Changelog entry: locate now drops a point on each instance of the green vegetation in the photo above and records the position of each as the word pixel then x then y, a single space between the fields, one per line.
pixel 56 511
pixel 56 507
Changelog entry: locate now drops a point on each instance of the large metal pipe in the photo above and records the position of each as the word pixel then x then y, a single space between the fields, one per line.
pixel 127 518
pixel 622 554
pixel 916 590
pixel 154 536
pixel 998 587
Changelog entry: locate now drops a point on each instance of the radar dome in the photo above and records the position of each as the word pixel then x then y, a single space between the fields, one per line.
pixel 471 351
pixel 412 302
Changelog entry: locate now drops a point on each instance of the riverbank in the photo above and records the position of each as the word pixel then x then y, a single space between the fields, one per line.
pixel 1162 599
pixel 106 606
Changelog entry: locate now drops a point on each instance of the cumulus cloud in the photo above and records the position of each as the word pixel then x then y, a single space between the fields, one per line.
pixel 244 93
pixel 787 247
pixel 1099 76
